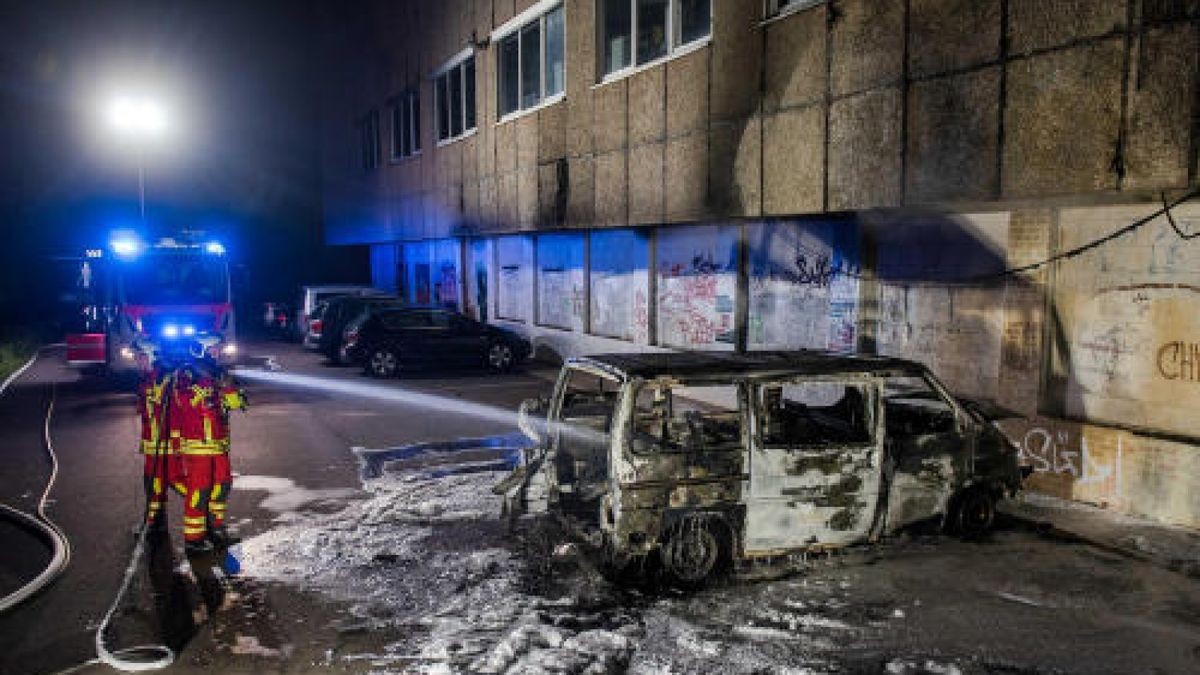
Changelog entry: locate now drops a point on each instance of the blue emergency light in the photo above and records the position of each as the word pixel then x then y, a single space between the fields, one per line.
pixel 215 248
pixel 126 247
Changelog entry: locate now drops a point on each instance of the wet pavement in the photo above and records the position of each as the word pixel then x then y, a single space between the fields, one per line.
pixel 413 571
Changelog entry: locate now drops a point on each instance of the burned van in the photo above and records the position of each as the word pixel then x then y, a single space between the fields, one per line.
pixel 708 458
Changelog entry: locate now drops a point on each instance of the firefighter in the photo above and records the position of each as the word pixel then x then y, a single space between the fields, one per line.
pixel 162 466
pixel 205 395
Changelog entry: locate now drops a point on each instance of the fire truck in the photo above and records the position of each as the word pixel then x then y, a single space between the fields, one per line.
pixel 169 293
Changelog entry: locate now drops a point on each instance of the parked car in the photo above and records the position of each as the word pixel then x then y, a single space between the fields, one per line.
pixel 311 296
pixel 703 459
pixel 339 312
pixel 312 336
pixel 385 339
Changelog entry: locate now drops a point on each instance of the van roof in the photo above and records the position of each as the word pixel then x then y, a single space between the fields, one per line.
pixel 688 365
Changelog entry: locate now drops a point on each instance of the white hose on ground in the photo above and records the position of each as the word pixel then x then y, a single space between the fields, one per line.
pixel 40 523
pixel 131 659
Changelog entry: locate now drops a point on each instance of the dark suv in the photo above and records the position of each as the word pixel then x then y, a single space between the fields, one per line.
pixel 339 312
pixel 386 338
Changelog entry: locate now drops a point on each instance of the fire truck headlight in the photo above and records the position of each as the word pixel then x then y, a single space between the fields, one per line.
pixel 127 353
pixel 229 349
pixel 170 331
pixel 189 330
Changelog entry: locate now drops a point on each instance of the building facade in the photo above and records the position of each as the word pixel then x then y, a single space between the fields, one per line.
pixel 1002 189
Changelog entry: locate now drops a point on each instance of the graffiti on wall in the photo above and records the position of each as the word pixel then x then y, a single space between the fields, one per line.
pixel 697 282
pixel 803 286
pixel 1179 360
pixel 620 284
pixel 560 284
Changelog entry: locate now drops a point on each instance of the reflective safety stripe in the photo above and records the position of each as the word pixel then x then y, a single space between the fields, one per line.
pixel 181 488
pixel 216 493
pixel 195 500
pixel 208 435
pixel 157 486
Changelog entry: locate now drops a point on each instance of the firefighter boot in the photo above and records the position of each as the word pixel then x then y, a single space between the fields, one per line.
pixel 222 538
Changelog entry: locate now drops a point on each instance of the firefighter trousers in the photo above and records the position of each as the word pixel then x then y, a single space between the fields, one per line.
pixel 208 479
pixel 159 472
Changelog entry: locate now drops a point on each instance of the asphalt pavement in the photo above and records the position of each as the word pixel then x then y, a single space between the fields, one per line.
pixel 1023 601
pixel 291 434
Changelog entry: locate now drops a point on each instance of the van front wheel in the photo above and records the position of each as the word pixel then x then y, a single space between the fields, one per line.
pixel 694 552
pixel 974 513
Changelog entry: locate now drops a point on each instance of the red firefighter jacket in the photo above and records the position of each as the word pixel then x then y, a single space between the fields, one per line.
pixel 152 410
pixel 203 404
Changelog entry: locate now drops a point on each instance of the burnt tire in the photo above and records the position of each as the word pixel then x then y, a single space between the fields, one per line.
pixel 383 362
pixel 974 513
pixel 694 552
pixel 500 357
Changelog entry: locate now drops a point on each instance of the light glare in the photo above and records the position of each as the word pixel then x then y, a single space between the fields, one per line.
pixel 137 116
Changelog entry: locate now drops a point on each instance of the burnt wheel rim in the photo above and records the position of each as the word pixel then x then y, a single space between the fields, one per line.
pixel 976 513
pixel 692 553
pixel 383 363
pixel 500 356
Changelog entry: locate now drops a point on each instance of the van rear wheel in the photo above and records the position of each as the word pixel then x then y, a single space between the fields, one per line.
pixel 974 513
pixel 695 551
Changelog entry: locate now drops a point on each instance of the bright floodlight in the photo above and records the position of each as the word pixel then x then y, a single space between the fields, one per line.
pixel 215 248
pixel 137 116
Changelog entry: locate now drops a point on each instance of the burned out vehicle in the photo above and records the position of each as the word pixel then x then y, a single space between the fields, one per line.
pixel 705 459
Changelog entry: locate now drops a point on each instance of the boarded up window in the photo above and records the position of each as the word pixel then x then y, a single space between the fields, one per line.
pixel 620 280
pixel 697 280
pixel 561 292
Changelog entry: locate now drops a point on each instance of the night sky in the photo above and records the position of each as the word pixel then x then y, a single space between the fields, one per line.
pixel 240 81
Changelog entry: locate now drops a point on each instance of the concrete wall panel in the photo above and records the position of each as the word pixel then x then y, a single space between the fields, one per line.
pixel 953 137
pixel 611 190
pixel 527 142
pixel 1161 105
pixel 506 147
pixel 646 183
pixel 735 168
pixel 581 74
pixel 1038 24
pixel 506 200
pixel 609 125
pixel 952 34
pixel 868 45
pixel 581 199
pixel 687 177
pixel 796 61
pixel 794 162
pixel 552 132
pixel 647 106
pixel 527 198
pixel 736 58
pixel 864 151
pixel 1062 120
pixel 687 93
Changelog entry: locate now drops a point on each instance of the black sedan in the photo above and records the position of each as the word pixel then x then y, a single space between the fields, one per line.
pixel 386 339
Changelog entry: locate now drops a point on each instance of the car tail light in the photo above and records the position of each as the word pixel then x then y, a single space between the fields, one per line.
pixel 351 336
pixel 316 325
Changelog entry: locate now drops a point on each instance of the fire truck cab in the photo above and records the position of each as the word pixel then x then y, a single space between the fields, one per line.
pixel 169 293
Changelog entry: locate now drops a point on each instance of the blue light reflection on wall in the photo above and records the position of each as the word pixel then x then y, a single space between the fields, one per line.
pixel 620 283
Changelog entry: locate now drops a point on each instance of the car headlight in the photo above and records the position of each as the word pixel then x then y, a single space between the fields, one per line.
pixel 127 353
pixel 170 331
pixel 229 349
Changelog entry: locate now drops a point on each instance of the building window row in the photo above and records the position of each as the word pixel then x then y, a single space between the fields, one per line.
pixel 454 92
pixel 531 66
pixel 532 62
pixel 637 32
pixel 406 125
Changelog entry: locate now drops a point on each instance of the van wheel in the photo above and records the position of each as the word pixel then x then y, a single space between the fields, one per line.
pixel 695 551
pixel 974 513
pixel 383 363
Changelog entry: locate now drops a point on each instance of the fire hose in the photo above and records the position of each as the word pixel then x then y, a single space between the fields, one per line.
pixel 132 659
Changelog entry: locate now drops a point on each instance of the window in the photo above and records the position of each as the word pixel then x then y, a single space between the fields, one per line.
pixel 777 7
pixel 368 129
pixel 815 414
pixel 636 32
pixel 532 67
pixel 406 125
pixel 686 418
pixel 454 96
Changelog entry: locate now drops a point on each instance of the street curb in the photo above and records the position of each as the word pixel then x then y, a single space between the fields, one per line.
pixel 1190 570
